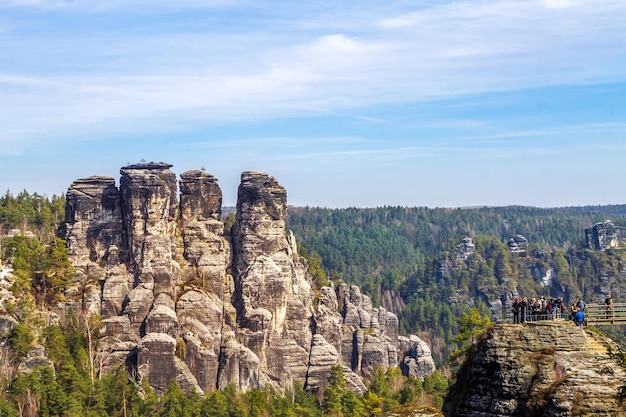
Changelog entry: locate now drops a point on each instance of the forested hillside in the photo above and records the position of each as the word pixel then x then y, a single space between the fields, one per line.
pixel 52 364
pixel 31 212
pixel 405 258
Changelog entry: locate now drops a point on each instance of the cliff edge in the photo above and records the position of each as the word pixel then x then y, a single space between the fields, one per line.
pixel 546 368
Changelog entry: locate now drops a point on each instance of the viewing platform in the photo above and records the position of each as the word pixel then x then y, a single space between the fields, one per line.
pixel 595 315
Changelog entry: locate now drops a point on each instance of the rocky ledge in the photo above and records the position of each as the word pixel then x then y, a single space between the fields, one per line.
pixel 550 368
pixel 183 299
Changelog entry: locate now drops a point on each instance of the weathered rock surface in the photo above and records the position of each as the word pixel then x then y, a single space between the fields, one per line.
pixel 272 295
pixel 35 357
pixel 518 244
pixel 416 356
pixel 7 322
pixel 464 249
pixel 182 300
pixel 605 235
pixel 93 219
pixel 548 368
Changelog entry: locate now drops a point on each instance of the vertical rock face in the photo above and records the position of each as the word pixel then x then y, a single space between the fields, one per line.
pixel 549 368
pixel 93 219
pixel 148 195
pixel 181 302
pixel 415 356
pixel 205 250
pixel 272 296
pixel 605 235
pixel 205 311
pixel 97 244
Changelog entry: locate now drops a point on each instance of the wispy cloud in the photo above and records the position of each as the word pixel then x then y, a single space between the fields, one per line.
pixel 208 74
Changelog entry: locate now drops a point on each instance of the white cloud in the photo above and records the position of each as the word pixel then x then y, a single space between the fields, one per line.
pixel 114 5
pixel 119 79
pixel 558 4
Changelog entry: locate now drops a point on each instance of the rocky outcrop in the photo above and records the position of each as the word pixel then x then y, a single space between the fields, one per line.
pixel 93 220
pixel 416 356
pixel 518 244
pixel 549 368
pixel 464 249
pixel 35 357
pixel 205 250
pixel 181 300
pixel 7 321
pixel 605 235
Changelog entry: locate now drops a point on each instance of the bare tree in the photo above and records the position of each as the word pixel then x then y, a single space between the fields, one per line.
pixel 7 368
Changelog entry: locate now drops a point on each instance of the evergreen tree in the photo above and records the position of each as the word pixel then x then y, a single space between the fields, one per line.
pixel 214 404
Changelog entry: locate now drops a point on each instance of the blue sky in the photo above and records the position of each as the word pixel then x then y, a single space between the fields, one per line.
pixel 411 103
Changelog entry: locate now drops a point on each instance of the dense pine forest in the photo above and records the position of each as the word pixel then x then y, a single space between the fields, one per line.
pixel 405 259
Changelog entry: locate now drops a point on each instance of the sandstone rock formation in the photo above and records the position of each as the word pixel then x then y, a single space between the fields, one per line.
pixel 180 299
pixel 7 321
pixel 517 244
pixel 605 235
pixel 465 249
pixel 546 368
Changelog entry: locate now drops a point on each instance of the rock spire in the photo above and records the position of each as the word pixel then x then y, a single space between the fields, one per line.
pixel 183 299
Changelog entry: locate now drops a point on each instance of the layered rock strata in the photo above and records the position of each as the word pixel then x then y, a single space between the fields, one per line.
pixel 182 300
pixel 272 295
pixel 549 368
pixel 605 235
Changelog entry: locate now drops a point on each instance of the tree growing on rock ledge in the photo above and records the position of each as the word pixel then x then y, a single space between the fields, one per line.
pixel 472 327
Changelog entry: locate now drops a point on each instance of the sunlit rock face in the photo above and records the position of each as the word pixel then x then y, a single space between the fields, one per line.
pixel 93 219
pixel 547 368
pixel 182 300
pixel 205 249
pixel 272 294
pixel 148 198
pixel 605 235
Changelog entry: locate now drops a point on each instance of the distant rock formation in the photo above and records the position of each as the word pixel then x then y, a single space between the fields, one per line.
pixel 7 321
pixel 465 249
pixel 517 244
pixel 605 235
pixel 545 368
pixel 182 300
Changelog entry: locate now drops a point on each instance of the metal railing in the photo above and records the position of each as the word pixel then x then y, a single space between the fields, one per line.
pixel 595 314
pixel 530 315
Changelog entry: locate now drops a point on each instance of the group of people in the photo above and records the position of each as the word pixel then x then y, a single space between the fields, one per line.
pixel 537 309
pixel 540 309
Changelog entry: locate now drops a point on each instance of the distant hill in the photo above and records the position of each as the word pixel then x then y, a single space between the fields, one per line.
pixel 407 258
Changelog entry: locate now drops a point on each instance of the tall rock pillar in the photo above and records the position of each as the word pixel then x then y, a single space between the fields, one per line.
pixel 97 245
pixel 272 295
pixel 204 309
pixel 149 207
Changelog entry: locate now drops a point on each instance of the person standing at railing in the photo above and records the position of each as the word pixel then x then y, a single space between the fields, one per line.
pixel 549 310
pixel 579 318
pixel 562 307
pixel 515 310
pixel 523 309
pixel 608 306
pixel 573 309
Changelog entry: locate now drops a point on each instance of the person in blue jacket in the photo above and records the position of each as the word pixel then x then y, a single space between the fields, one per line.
pixel 579 318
